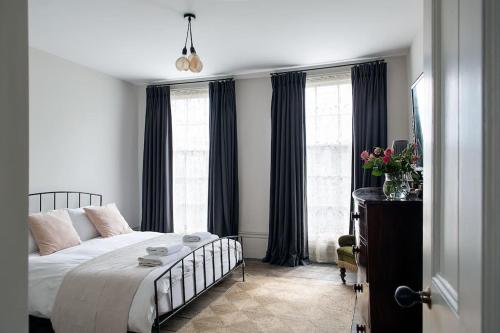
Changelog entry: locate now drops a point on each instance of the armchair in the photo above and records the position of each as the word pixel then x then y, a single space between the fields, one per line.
pixel 346 258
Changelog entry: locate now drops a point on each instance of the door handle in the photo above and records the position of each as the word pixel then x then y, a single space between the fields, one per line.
pixel 407 297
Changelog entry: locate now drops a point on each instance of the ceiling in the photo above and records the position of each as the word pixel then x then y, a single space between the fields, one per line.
pixel 139 40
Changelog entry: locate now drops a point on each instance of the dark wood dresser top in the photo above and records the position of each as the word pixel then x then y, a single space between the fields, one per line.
pixel 368 195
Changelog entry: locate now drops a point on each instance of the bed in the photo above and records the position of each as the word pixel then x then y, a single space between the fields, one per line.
pixel 163 292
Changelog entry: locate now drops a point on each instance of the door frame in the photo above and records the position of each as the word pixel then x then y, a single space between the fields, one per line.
pixel 431 122
pixel 491 180
pixel 482 259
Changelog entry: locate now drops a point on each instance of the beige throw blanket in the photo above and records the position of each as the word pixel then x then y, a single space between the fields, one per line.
pixel 96 296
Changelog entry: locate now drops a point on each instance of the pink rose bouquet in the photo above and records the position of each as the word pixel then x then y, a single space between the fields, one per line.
pixel 386 161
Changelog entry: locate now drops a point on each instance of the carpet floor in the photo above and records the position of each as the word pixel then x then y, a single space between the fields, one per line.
pixel 273 299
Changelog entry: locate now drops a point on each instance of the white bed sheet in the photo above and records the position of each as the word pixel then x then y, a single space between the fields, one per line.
pixel 46 274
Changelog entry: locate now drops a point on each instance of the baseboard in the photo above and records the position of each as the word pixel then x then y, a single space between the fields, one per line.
pixel 251 234
pixel 254 244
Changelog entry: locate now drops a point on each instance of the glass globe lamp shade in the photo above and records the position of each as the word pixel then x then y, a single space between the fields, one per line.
pixel 182 63
pixel 185 64
pixel 199 67
pixel 195 64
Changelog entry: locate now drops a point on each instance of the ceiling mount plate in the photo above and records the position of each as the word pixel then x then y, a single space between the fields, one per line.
pixel 189 15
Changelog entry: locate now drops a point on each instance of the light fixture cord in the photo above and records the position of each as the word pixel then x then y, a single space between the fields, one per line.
pixel 187 33
pixel 191 32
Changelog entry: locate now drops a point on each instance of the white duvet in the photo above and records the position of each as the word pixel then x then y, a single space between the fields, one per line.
pixel 47 272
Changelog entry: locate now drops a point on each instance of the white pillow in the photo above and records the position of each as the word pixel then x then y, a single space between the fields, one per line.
pixel 32 247
pixel 84 228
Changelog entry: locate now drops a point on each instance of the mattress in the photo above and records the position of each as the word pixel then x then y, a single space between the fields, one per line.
pixel 46 274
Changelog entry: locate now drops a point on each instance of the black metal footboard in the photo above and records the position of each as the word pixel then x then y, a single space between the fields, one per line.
pixel 239 262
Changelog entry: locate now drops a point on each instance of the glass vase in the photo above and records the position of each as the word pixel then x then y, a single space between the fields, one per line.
pixel 396 186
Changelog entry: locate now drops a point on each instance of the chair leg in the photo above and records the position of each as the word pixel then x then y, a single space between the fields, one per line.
pixel 342 274
pixel 243 271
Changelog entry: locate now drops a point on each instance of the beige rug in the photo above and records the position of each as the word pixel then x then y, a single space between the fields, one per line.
pixel 270 303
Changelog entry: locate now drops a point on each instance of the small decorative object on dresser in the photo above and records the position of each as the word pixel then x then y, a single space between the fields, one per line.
pixel 388 254
pixel 397 168
pixel 399 145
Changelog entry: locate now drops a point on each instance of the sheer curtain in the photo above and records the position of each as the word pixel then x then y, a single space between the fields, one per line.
pixel 329 141
pixel 190 144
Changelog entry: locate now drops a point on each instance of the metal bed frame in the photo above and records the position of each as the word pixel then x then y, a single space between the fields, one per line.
pixel 162 319
pixel 54 195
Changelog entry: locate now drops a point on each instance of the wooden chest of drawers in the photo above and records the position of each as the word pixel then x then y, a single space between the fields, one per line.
pixel 389 254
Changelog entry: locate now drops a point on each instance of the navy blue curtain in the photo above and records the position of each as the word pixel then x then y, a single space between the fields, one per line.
pixel 287 243
pixel 223 193
pixel 157 207
pixel 369 119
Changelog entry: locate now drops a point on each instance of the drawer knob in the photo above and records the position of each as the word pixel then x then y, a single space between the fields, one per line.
pixel 360 328
pixel 358 287
pixel 355 249
pixel 355 216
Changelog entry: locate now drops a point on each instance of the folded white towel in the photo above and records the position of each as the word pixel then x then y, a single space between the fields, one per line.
pixel 164 250
pixel 152 260
pixel 196 237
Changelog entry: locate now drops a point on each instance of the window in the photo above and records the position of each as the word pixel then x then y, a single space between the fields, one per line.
pixel 190 143
pixel 329 136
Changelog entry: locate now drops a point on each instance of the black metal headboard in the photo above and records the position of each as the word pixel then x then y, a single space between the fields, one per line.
pixel 66 195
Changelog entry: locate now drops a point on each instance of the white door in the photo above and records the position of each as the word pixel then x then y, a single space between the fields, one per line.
pixel 453 165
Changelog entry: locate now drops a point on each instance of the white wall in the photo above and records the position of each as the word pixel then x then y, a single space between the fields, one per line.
pixel 415 67
pixel 416 57
pixel 83 132
pixel 13 165
pixel 253 107
pixel 141 119
pixel 397 99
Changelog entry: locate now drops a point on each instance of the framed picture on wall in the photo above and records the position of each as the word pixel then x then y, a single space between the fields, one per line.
pixel 417 94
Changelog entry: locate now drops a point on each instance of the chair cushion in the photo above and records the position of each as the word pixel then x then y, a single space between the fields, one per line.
pixel 345 254
pixel 347 240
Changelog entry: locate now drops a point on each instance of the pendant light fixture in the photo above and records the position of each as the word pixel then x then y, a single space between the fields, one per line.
pixel 193 62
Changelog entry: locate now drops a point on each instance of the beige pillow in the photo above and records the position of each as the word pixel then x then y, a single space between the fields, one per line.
pixel 107 220
pixel 53 231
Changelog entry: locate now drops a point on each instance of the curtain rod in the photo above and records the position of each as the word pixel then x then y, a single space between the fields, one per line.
pixel 189 82
pixel 329 66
